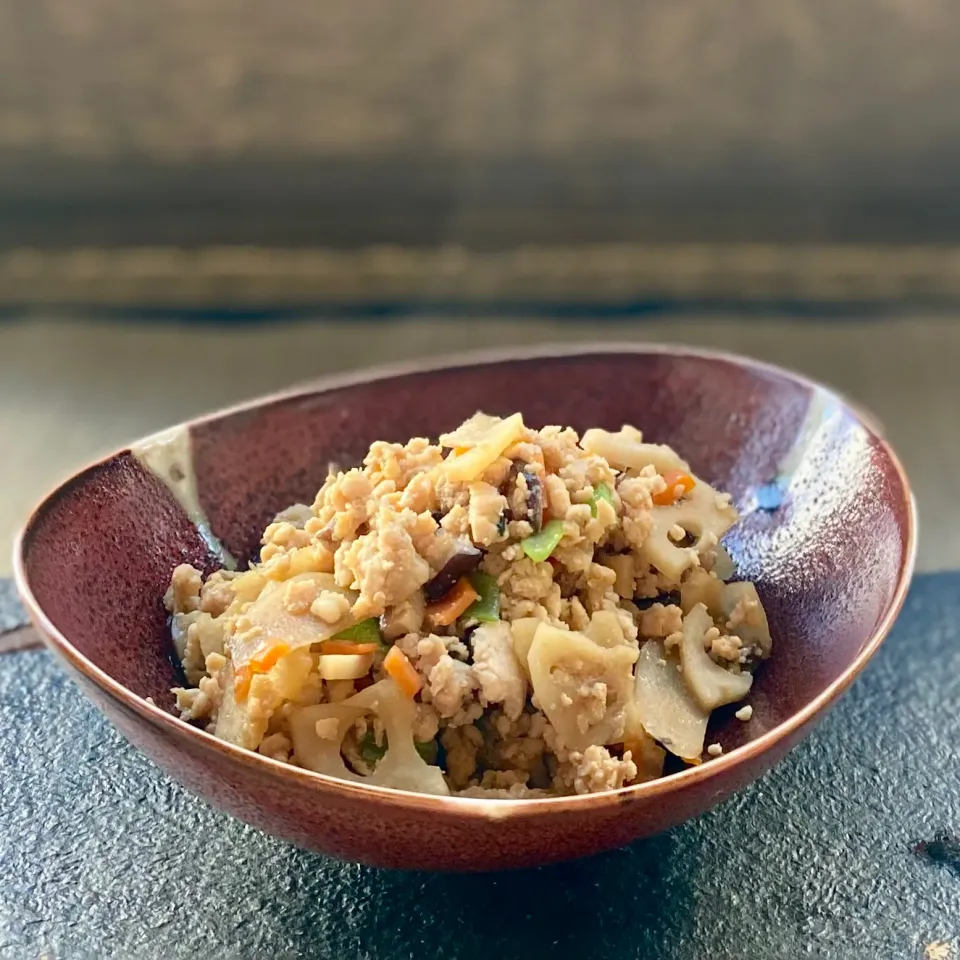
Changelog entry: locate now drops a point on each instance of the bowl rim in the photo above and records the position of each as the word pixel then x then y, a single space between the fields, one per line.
pixel 476 807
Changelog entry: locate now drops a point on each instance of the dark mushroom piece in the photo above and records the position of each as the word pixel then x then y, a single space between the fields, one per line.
pixel 465 559
pixel 667 599
pixel 468 636
pixel 173 655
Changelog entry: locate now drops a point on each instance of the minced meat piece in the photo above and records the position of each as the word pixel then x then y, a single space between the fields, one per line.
pixel 596 770
pixel 451 686
pixel 661 620
pixel 487 506
pixel 382 565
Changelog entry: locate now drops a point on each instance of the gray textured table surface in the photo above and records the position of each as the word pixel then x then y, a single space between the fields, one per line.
pixel 102 856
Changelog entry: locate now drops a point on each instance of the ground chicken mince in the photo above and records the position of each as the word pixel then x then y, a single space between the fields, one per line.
pixel 504 613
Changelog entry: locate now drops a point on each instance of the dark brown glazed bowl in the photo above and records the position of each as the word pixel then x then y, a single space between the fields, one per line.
pixel 832 563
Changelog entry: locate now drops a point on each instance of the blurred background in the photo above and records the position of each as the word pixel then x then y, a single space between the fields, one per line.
pixel 204 200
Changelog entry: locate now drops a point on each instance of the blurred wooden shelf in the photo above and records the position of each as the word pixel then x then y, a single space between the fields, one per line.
pixel 554 279
pixel 493 125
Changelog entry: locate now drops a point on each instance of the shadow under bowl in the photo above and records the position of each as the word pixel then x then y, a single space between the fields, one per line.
pixel 827 533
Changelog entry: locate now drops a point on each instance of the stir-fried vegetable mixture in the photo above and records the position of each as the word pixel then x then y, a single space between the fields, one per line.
pixel 507 612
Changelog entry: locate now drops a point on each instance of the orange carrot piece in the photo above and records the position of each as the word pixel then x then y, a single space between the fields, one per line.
pixel 402 671
pixel 674 479
pixel 345 646
pixel 259 664
pixel 269 658
pixel 455 601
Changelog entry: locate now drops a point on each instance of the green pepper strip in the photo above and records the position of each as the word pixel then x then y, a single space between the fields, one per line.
pixel 366 631
pixel 427 749
pixel 539 547
pixel 601 492
pixel 486 608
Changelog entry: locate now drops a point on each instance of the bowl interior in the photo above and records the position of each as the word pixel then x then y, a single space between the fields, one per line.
pixel 824 529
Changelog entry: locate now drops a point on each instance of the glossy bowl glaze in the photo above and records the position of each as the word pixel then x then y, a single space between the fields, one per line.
pixel 827 532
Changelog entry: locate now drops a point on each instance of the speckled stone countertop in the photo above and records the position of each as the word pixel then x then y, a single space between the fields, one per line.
pixel 847 850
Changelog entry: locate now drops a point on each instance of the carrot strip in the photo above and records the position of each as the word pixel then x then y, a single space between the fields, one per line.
pixel 269 658
pixel 675 480
pixel 402 671
pixel 455 601
pixel 345 646
pixel 259 664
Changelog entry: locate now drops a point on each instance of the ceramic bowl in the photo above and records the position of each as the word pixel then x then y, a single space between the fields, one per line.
pixel 827 532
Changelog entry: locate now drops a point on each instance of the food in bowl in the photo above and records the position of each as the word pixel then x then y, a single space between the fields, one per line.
pixel 506 613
